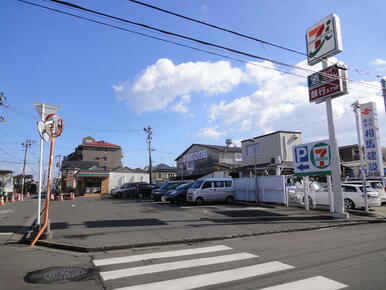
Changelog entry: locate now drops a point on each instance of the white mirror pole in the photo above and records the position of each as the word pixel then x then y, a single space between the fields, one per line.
pixel 40 172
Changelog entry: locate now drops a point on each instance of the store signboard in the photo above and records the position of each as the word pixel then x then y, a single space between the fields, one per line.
pixel 371 139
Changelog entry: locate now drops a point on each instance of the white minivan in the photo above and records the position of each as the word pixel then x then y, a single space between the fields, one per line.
pixel 210 190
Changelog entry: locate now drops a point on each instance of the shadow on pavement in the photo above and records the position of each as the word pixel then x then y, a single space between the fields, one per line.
pixel 124 223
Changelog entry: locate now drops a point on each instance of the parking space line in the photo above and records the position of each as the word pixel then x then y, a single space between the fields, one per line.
pixel 202 280
pixel 167 254
pixel 6 234
pixel 141 270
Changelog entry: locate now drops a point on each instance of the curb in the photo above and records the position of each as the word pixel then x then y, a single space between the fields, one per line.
pixel 76 248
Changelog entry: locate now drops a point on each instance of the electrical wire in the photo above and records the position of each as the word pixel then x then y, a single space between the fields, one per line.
pixel 174 34
pixel 202 42
pixel 261 41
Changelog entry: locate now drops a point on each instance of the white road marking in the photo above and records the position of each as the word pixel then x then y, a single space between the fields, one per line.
pixel 6 234
pixel 314 283
pixel 109 275
pixel 168 254
pixel 202 280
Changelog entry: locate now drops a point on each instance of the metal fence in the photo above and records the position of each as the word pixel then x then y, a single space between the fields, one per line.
pixel 269 189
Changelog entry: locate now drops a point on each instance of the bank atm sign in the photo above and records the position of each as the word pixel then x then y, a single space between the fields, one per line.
pixel 312 158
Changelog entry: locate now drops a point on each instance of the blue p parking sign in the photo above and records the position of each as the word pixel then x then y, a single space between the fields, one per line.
pixel 301 154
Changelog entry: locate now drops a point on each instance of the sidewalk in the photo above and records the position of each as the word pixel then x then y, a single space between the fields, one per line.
pixel 101 223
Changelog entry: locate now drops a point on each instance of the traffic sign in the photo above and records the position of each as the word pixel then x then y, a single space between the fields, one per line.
pixel 312 158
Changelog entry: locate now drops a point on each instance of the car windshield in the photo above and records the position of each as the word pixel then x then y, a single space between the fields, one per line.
pixel 173 185
pixel 368 189
pixel 164 186
pixel 197 184
pixel 183 186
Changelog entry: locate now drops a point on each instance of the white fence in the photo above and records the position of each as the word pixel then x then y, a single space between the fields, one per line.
pixel 269 189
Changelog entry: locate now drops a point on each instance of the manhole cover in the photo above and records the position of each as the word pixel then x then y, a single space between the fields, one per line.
pixel 60 275
pixel 67 273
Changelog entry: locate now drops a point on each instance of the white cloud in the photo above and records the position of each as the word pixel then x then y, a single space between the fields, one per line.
pixel 379 61
pixel 281 103
pixel 161 83
pixel 380 64
pixel 182 105
pixel 211 132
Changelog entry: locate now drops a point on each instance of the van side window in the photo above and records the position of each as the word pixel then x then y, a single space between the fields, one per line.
pixel 207 184
pixel 228 183
pixel 219 184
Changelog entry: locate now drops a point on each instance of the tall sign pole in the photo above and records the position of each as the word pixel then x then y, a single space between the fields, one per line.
pixel 323 41
pixel 356 108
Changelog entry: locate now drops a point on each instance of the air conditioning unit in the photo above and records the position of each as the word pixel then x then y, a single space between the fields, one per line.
pixel 276 160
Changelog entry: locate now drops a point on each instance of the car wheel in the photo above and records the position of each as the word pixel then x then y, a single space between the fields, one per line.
pixel 199 201
pixel 348 203
pixel 229 199
pixel 163 198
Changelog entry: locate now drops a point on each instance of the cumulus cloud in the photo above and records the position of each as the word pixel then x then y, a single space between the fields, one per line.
pixel 163 82
pixel 211 132
pixel 380 64
pixel 280 102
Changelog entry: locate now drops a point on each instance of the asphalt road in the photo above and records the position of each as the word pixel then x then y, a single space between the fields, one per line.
pixel 339 258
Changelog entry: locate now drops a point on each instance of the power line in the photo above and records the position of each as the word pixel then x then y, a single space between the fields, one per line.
pixel 71 5
pixel 261 41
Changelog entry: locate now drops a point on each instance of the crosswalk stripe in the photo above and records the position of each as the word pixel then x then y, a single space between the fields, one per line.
pixel 314 283
pixel 167 254
pixel 202 280
pixel 174 266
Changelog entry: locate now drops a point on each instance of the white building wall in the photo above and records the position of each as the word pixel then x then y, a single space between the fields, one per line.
pixel 119 178
pixel 271 146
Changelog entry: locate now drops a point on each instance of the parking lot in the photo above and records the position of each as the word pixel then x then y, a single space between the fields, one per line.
pixel 97 223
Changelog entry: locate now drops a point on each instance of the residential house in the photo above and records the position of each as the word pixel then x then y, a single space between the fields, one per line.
pixel 163 172
pixel 269 153
pixel 200 159
pixel 107 155
pixel 123 175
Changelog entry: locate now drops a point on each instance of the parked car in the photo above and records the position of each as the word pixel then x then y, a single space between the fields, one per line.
pixel 353 196
pixel 133 189
pixel 160 193
pixel 374 183
pixel 210 190
pixel 144 189
pixel 179 194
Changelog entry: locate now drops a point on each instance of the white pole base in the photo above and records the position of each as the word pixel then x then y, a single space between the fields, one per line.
pixel 344 215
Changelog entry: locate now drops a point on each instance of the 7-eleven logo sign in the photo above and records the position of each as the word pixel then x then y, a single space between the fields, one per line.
pixel 319 35
pixel 321 155
pixel 324 39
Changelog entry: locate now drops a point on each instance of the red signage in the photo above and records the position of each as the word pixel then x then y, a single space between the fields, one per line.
pixel 329 82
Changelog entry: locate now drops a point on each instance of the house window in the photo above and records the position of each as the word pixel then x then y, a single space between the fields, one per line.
pixel 190 165
pixel 159 175
pixel 253 149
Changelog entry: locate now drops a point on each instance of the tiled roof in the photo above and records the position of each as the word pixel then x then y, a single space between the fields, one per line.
pixel 101 144
pixel 163 167
pixel 216 147
pixel 83 165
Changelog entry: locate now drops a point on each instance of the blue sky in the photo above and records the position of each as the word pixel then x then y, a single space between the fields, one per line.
pixel 110 84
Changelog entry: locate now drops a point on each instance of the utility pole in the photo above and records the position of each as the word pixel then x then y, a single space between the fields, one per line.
pixel 27 144
pixel 383 84
pixel 59 166
pixel 2 104
pixel 149 137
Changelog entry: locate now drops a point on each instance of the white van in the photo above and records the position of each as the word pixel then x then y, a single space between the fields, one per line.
pixel 211 189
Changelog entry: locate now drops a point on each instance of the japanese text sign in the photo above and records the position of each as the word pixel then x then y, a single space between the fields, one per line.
pixel 371 139
pixel 329 82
